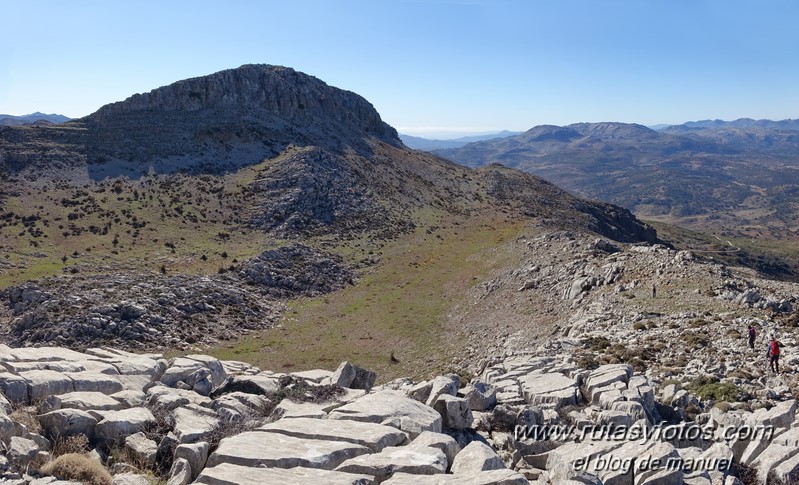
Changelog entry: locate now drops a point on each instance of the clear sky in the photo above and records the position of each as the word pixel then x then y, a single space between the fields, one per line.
pixel 435 68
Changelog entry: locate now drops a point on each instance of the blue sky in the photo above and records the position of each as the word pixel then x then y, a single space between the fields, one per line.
pixel 435 68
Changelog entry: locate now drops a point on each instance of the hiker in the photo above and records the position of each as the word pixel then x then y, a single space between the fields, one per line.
pixel 774 355
pixel 654 290
pixel 752 335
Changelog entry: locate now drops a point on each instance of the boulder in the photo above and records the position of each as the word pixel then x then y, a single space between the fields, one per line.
pixel 89 381
pixel 491 477
pixel 262 384
pixel 608 374
pixel 195 454
pixel 354 377
pixel 130 398
pixel 448 384
pixel 476 457
pixel 118 425
pixel 290 409
pixel 141 449
pixel 313 375
pixel 180 473
pixel 454 411
pixel 14 387
pixel 83 401
pixel 480 396
pixel 128 478
pixel 421 391
pixel 62 423
pixel 783 448
pixel 21 451
pixel 194 423
pixel 168 399
pixel 443 442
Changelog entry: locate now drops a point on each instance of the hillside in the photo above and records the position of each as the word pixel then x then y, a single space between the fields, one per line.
pixel 194 214
pixel 738 179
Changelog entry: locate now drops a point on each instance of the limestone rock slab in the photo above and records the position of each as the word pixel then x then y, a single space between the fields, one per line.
pixel 552 388
pixel 374 436
pixel 230 474
pixel 408 459
pixel 376 407
pixel 263 449
pixel 492 477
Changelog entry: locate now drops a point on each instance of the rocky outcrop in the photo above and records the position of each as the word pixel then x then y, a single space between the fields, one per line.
pixel 527 418
pixel 181 434
pixel 150 312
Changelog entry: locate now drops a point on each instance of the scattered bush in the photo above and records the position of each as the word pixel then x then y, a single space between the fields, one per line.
pixel 709 387
pixel 586 361
pixel 639 326
pixel 695 339
pixel 76 444
pixel 79 467
pixel 723 406
pixel 597 343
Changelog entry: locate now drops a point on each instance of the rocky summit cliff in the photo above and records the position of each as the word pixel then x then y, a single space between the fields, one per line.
pixel 228 119
pixel 267 106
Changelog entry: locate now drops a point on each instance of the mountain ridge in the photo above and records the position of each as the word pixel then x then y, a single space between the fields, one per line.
pixel 734 176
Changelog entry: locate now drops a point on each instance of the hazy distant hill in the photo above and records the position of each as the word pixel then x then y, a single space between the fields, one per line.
pixel 744 123
pixel 419 143
pixel 11 120
pixel 741 175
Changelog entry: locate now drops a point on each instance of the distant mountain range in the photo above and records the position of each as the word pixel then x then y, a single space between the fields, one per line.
pixel 11 120
pixel 419 143
pixel 741 175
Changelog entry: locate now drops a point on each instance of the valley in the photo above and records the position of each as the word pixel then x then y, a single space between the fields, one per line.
pixel 254 256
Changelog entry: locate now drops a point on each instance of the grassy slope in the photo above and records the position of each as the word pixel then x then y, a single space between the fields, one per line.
pixel 776 258
pixel 399 306
pixel 208 224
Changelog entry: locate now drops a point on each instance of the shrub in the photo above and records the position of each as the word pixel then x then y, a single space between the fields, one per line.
pixel 598 343
pixel 723 406
pixel 639 326
pixel 587 361
pixel 694 339
pixel 709 387
pixel 79 467
pixel 72 444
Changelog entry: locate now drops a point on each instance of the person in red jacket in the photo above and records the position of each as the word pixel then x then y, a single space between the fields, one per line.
pixel 752 335
pixel 774 355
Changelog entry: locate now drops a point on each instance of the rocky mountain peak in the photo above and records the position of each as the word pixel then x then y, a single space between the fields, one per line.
pixel 268 107
pixel 260 90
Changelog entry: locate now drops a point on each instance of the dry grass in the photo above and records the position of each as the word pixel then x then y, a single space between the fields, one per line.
pixel 79 467
pixel 76 444
pixel 27 415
